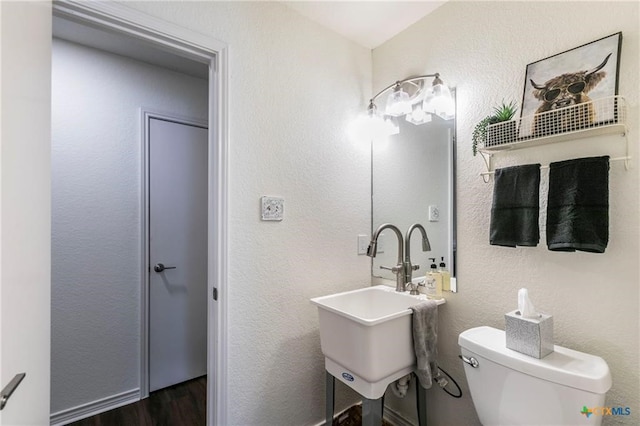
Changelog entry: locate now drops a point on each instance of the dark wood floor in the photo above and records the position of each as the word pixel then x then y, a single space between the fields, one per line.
pixel 181 404
pixel 353 417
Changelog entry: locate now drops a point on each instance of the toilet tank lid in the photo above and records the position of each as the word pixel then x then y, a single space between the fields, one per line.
pixel 563 366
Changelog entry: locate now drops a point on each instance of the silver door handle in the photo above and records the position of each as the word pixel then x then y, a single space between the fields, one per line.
pixel 159 267
pixel 8 390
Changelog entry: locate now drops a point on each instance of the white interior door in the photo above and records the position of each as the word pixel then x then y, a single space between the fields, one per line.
pixel 177 252
pixel 25 212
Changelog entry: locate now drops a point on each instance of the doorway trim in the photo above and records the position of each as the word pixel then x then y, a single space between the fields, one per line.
pixel 146 114
pixel 204 49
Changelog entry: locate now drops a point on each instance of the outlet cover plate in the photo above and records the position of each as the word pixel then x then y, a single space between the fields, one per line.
pixel 434 214
pixel 272 208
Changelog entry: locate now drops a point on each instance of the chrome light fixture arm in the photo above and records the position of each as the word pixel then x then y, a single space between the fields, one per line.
pixel 412 80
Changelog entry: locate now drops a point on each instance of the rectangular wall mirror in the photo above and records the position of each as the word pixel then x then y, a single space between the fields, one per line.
pixel 413 181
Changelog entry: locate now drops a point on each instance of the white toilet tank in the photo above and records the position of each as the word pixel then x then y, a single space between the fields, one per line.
pixel 509 388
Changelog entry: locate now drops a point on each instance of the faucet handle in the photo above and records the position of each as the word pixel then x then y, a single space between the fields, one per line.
pixel 395 269
pixel 415 267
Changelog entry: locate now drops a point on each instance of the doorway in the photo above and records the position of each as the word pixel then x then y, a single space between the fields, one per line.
pixel 176 225
pixel 141 28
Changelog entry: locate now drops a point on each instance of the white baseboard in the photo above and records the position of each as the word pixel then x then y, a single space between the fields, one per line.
pixel 395 418
pixel 95 407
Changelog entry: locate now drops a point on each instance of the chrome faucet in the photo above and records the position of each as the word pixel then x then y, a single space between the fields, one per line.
pixel 399 268
pixel 407 266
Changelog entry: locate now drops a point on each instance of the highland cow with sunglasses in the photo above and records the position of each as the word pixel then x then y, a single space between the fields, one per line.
pixel 564 91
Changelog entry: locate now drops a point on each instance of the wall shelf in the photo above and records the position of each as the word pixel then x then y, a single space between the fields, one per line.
pixel 605 116
pixel 607 129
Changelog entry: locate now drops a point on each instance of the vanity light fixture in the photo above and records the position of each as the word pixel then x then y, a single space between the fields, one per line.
pixel 398 102
pixel 438 100
pixel 373 125
pixel 412 98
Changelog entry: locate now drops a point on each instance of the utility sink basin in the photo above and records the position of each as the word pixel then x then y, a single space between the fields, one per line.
pixel 366 337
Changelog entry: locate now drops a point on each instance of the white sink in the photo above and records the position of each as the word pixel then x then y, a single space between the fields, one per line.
pixel 366 338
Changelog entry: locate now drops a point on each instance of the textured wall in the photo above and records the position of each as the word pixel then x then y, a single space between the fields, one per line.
pixel 96 190
pixel 294 88
pixel 482 48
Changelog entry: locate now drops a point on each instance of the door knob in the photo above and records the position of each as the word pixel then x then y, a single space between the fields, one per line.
pixel 159 267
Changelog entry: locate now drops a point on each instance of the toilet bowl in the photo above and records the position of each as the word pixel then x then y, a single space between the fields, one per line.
pixel 509 388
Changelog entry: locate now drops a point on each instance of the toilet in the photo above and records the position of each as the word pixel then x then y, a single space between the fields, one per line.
pixel 509 388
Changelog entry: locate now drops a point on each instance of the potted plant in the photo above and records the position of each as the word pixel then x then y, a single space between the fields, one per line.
pixel 483 135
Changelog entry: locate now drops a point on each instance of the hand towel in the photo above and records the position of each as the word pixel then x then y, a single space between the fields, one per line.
pixel 425 341
pixel 516 206
pixel 578 205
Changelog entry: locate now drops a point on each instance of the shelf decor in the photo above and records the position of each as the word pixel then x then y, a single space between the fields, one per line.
pixel 483 131
pixel 614 107
pixel 560 91
pixel 578 126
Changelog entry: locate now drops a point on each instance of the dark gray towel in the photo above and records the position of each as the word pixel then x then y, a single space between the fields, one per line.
pixel 516 206
pixel 425 341
pixel 578 207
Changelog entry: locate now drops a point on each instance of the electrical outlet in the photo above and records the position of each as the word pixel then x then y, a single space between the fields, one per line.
pixel 434 214
pixel 272 208
pixel 363 244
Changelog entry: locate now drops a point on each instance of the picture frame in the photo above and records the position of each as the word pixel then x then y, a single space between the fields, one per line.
pixel 572 90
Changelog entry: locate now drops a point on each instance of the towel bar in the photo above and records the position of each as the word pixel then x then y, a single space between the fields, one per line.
pixel 625 159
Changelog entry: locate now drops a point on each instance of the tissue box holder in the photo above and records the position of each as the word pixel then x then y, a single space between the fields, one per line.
pixel 530 336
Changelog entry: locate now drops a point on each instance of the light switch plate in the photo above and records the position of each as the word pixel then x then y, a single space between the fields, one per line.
pixel 272 208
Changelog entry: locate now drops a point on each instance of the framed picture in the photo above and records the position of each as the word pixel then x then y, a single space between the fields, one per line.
pixel 560 92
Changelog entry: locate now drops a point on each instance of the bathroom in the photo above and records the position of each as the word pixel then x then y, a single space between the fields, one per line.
pixel 294 88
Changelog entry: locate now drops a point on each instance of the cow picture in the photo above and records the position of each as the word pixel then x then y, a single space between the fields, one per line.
pixel 559 90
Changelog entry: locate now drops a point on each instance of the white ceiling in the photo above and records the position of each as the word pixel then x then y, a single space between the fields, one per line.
pixel 368 23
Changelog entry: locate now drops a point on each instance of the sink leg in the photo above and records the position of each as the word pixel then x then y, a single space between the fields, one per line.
pixel 371 412
pixel 421 402
pixel 330 387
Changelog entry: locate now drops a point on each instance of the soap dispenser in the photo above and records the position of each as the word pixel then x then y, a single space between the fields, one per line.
pixel 433 281
pixel 446 276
